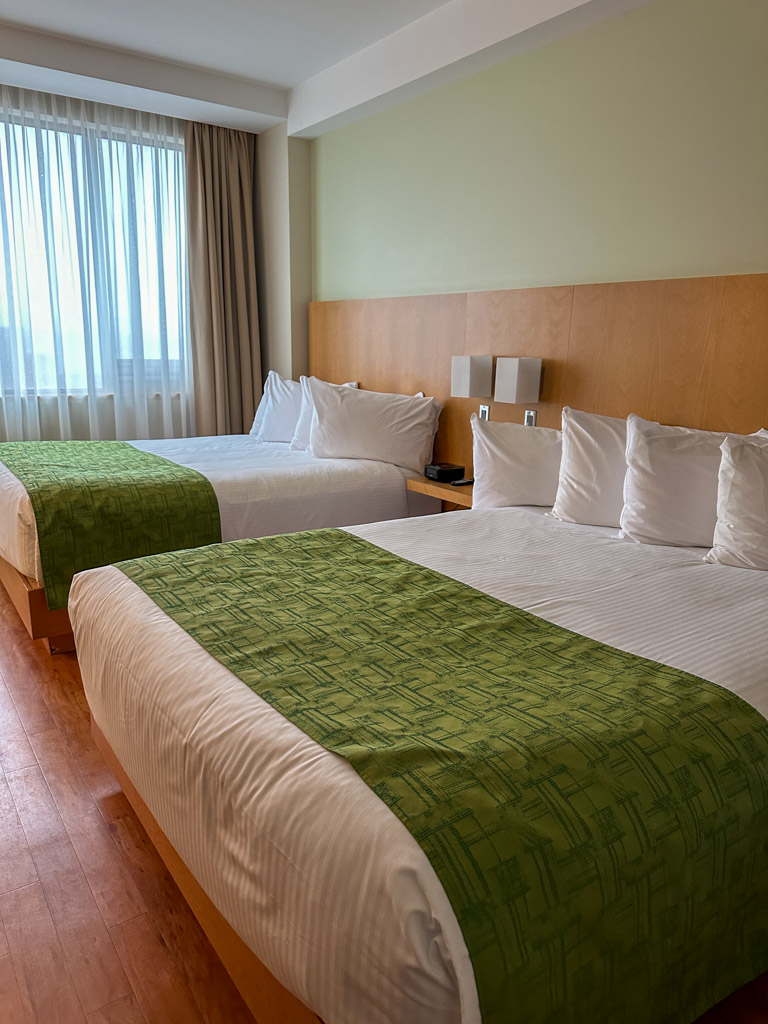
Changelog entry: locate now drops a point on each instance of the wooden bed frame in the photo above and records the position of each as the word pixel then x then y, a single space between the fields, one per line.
pixel 268 1000
pixel 30 602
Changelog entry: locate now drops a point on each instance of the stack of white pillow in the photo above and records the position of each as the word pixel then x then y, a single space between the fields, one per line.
pixel 659 484
pixel 332 421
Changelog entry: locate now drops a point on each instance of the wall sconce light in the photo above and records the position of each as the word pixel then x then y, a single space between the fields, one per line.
pixel 471 376
pixel 518 380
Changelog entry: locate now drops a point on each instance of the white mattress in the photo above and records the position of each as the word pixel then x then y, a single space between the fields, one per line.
pixel 262 488
pixel 314 872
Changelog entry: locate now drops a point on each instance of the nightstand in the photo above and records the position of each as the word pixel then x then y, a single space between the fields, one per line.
pixel 460 496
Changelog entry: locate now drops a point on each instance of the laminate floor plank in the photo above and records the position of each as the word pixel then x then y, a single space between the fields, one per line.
pixel 111 883
pixel 67 717
pixel 74 800
pixel 45 984
pixel 155 977
pixel 116 894
pixel 93 962
pixel 15 749
pixel 203 972
pixel 16 865
pixel 124 1011
pixel 64 695
pixel 11 1004
pixel 28 701
pixel 24 663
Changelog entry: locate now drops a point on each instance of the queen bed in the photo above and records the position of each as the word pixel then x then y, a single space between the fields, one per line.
pixel 313 871
pixel 293 850
pixel 66 506
pixel 261 488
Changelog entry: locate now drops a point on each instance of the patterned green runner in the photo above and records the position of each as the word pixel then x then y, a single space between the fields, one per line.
pixel 598 821
pixel 96 502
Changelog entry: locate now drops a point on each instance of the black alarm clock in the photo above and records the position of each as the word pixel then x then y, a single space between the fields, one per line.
pixel 444 471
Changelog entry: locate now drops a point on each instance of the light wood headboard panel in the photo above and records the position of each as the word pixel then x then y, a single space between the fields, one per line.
pixel 692 351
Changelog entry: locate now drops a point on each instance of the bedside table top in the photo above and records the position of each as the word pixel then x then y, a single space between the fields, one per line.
pixel 436 489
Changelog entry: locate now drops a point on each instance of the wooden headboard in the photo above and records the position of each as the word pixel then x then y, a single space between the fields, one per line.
pixel 691 351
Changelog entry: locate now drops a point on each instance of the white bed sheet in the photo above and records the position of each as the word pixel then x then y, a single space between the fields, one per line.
pixel 314 872
pixel 262 488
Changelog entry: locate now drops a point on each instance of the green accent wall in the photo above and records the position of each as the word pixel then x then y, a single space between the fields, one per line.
pixel 634 149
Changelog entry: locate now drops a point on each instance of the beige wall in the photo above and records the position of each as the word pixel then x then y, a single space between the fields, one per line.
pixel 634 149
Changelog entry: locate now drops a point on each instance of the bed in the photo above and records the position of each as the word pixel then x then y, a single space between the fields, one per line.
pixel 260 488
pixel 315 873
pixel 301 866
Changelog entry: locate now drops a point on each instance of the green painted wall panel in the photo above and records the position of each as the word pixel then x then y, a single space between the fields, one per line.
pixel 635 149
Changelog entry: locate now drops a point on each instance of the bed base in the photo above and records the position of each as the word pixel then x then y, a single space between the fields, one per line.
pixel 266 998
pixel 29 600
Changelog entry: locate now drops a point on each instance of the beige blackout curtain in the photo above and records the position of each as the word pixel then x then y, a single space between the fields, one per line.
pixel 224 321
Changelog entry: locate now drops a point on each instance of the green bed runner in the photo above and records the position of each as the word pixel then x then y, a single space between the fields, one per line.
pixel 97 502
pixel 598 821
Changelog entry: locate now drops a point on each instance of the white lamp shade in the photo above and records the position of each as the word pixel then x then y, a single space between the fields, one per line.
pixel 471 376
pixel 518 380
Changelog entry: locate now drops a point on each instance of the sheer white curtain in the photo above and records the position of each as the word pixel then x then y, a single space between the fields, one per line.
pixel 94 338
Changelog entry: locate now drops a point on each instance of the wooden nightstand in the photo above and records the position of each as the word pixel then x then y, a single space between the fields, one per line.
pixel 461 496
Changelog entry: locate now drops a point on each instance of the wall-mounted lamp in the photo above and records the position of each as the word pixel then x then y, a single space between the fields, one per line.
pixel 518 380
pixel 471 376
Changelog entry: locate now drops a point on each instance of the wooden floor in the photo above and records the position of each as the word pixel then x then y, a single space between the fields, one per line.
pixel 92 927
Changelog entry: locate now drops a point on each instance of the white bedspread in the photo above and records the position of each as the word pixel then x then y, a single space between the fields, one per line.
pixel 262 488
pixel 313 871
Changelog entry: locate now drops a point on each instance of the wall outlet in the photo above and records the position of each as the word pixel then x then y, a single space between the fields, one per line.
pixel 530 417
pixel 485 412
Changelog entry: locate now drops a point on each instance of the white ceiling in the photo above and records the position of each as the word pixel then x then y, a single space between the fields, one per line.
pixel 250 64
pixel 278 42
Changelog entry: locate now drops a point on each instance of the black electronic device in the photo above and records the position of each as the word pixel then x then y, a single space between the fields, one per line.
pixel 463 482
pixel 443 471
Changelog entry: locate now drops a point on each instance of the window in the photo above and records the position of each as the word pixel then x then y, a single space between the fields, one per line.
pixel 94 337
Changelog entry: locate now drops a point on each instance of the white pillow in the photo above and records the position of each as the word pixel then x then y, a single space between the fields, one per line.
pixel 514 465
pixel 278 411
pixel 741 533
pixel 352 424
pixel 670 490
pixel 592 470
pixel 301 435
